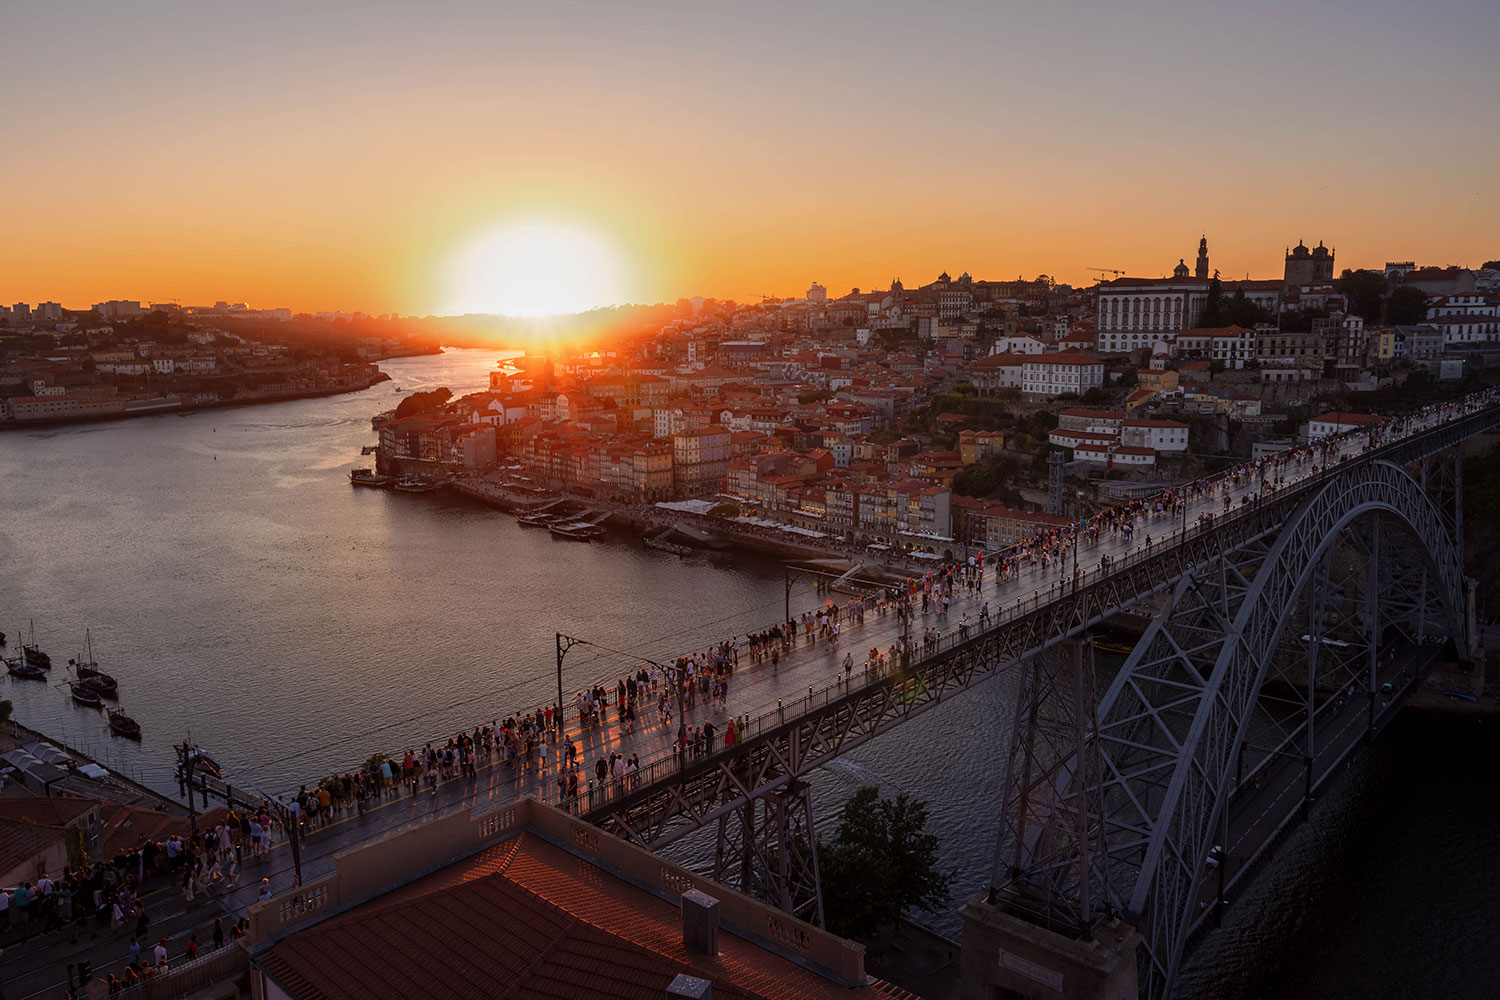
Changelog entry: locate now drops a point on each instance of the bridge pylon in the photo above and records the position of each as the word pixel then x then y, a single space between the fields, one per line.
pixel 767 848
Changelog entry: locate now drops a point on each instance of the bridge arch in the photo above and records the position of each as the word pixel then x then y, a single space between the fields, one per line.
pixel 1177 717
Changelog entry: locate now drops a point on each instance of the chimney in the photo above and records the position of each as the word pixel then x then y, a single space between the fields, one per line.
pixel 700 923
pixel 686 987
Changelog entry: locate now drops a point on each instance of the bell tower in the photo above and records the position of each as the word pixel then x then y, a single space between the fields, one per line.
pixel 1201 271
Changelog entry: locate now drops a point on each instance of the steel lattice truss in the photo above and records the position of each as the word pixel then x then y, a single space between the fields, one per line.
pixel 1240 633
pixel 1172 718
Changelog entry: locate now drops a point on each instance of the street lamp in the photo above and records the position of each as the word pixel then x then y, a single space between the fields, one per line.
pixel 564 643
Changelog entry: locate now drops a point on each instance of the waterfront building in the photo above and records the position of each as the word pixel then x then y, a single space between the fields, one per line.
pixel 700 461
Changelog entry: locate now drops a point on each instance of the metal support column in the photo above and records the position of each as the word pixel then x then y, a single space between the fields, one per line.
pixel 1372 615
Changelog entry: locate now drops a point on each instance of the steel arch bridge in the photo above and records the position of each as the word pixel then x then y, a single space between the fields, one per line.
pixel 1270 662
pixel 1269 615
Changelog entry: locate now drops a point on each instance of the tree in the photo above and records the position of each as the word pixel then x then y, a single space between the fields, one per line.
pixel 1493 265
pixel 880 863
pixel 977 480
pixel 1365 291
pixel 422 402
pixel 1405 306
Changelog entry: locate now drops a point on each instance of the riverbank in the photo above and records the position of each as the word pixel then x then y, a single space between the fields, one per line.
pixel 705 534
pixel 223 404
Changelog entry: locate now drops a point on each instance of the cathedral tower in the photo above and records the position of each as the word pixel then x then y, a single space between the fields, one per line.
pixel 1201 271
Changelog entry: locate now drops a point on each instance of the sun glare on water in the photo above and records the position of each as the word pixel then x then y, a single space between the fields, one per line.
pixel 535 269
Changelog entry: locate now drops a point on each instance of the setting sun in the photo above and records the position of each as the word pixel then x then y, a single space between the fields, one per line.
pixel 535 269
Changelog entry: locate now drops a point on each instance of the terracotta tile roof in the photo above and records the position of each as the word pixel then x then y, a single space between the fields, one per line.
pixel 21 841
pixel 54 810
pixel 526 919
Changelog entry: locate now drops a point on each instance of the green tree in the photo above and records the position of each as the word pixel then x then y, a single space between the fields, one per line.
pixel 880 863
pixel 1406 305
pixel 1365 291
pixel 1493 265
pixel 977 480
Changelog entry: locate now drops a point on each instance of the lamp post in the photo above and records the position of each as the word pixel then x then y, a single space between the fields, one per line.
pixel 564 643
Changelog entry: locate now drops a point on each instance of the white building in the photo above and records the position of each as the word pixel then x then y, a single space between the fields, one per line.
pixel 1134 313
pixel 998 371
pixel 1048 375
pixel 1018 345
pixel 1336 422
pixel 1158 435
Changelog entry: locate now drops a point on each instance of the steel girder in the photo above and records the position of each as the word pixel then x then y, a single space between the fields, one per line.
pixel 1176 716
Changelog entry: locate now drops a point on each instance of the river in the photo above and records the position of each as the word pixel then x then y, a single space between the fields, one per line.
pixel 247 596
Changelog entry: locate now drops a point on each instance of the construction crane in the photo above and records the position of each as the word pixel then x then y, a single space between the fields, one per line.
pixel 1106 270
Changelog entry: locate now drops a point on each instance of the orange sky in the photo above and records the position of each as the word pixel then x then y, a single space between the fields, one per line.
pixel 334 161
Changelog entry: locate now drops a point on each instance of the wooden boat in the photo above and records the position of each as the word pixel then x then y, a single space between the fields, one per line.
pixel 367 477
pixel 1106 646
pixel 123 725
pixel 537 520
pixel 103 685
pixel 414 485
pixel 89 673
pixel 578 531
pixel 22 670
pixel 665 546
pixel 33 653
pixel 86 696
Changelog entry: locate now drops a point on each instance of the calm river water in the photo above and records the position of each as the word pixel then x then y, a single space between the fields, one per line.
pixel 246 595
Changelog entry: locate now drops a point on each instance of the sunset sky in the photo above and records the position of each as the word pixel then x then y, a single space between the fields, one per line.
pixel 344 155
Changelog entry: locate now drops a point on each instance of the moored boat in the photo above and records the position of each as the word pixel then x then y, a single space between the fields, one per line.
pixel 19 668
pixel 89 674
pixel 537 520
pixel 103 685
pixel 580 531
pixel 673 547
pixel 86 696
pixel 367 477
pixel 1107 646
pixel 32 653
pixel 413 485
pixel 123 725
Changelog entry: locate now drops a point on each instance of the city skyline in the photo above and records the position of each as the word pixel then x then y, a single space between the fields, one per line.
pixel 330 162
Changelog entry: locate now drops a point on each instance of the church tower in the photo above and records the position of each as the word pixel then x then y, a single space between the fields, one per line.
pixel 1201 271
